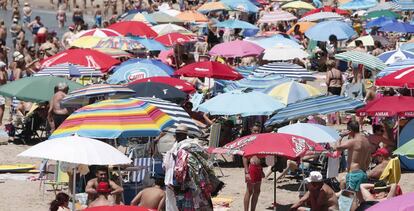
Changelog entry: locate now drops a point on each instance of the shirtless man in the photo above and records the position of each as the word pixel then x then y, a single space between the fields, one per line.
pixel 102 176
pixel 3 80
pixel 382 158
pixel 98 16
pixel 102 190
pixel 77 17
pixel 152 197
pixel 381 191
pixel 359 155
pixel 319 196
pixel 27 14
pixel 58 113
pixel 3 31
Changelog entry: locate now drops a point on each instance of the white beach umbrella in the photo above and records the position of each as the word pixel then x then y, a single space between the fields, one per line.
pixel 315 132
pixel 283 53
pixel 163 29
pixel 322 16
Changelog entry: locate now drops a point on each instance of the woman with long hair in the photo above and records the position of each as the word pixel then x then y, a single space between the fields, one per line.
pixel 61 202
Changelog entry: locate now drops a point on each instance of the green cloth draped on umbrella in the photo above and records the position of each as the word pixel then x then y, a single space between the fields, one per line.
pixel 383 13
pixel 35 89
pixel 365 59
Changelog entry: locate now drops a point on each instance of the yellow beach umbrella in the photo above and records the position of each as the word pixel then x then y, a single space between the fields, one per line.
pixel 86 42
pixel 114 53
pixel 192 16
pixel 212 6
pixel 303 27
pixel 298 5
pixel 291 92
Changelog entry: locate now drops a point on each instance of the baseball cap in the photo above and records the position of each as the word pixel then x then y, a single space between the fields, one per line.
pixel 381 152
pixel 314 176
pixel 103 187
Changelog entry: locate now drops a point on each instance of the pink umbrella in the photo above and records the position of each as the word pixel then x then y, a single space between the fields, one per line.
pixel 404 202
pixel 165 54
pixel 237 48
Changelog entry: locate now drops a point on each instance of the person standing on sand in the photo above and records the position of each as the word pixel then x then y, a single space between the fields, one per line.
pixel 27 14
pixel 58 113
pixel 3 80
pixel 61 16
pixel 98 16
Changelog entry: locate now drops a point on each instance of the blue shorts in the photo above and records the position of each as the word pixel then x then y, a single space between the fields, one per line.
pixel 355 178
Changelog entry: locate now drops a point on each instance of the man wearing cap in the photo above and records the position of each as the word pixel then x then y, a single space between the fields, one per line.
pixel 319 196
pixel 381 156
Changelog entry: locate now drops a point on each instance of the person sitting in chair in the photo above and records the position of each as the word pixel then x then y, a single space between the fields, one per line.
pixel 103 191
pixel 101 176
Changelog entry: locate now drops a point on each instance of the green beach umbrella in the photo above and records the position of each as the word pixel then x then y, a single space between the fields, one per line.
pixel 406 149
pixel 35 89
pixel 383 13
pixel 365 59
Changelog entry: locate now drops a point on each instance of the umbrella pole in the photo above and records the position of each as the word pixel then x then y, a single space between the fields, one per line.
pixel 74 190
pixel 398 132
pixel 119 174
pixel 274 190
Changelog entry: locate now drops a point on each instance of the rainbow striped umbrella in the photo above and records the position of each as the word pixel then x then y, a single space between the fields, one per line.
pixel 111 119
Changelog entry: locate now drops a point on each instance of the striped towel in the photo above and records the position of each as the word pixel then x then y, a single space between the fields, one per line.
pixel 138 176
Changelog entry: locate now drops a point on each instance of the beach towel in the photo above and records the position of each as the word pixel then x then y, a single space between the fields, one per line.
pixel 392 172
pixel 147 163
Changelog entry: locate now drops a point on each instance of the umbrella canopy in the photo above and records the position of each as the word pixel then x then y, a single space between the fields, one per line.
pixel 150 44
pixel 390 57
pixel 237 48
pixel 173 38
pixel 209 69
pixel 403 202
pixel 313 106
pixel 383 13
pixel 380 22
pixel 84 57
pixel 138 16
pixel 241 5
pixel 163 29
pixel 303 27
pixel 212 6
pixel 161 17
pixel 78 150
pixel 82 97
pixel 70 70
pixel 288 70
pixel 323 30
pixel 276 16
pixel 35 89
pixel 398 27
pixel 86 42
pixel 257 82
pixel 171 12
pixel 134 28
pixel 398 65
pixel 284 53
pixel 315 132
pixel 384 6
pixel 134 69
pixel 402 78
pixel 235 24
pixel 327 9
pixel 111 119
pixel 389 106
pixel 369 40
pixel 192 16
pixel 358 57
pixel 175 82
pixel 298 5
pixel 239 103
pixel 322 16
pixel 114 53
pixel 409 46
pixel 292 92
pixel 158 90
pixel 405 4
pixel 103 32
pixel 273 41
pixel 358 4
pixel 122 43
pixel 118 208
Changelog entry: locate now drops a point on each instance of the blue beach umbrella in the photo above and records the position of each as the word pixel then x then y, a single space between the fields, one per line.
pixel 398 27
pixel 150 44
pixel 379 22
pixel 398 65
pixel 236 24
pixel 273 41
pixel 358 4
pixel 241 5
pixel 407 47
pixel 256 82
pixel 390 57
pixel 323 30
pixel 315 132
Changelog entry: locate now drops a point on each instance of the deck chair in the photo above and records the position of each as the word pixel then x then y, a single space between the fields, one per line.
pixel 214 143
pixel 54 177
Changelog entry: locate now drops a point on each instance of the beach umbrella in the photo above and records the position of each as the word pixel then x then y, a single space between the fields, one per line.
pixel 398 65
pixel 134 69
pixel 402 202
pixel 273 41
pixel 292 92
pixel 323 30
pixel 161 17
pixel 150 44
pixel 209 69
pixel 384 6
pixel 405 4
pixel 403 78
pixel 327 9
pixel 363 58
pixel 98 32
pixel 35 89
pixel 383 13
pixel 163 29
pixel 314 106
pixel 133 28
pixel 118 208
pixel 407 46
pixel 175 82
pixel 112 119
pixel 379 22
pixel 358 4
pixel 212 6
pixel 122 43
pixel 389 106
pixel 85 42
pixel 171 12
pixel 192 16
pixel 114 53
pixel 84 57
pixel 158 90
pixel 83 96
pixel 284 53
pixel 138 16
pixel 163 56
pixel 241 5
pixel 257 82
pixel 239 103
pixel 390 57
pixel 398 27
pixel 237 48
pixel 298 5
pixel 236 24
pixel 369 40
pixel 276 16
pixel 406 150
pixel 177 113
pixel 303 27
pixel 69 70
pixel 173 38
pixel 322 16
pixel 288 70
pixel 315 132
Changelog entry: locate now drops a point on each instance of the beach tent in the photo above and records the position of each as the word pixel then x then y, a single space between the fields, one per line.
pixel 406 135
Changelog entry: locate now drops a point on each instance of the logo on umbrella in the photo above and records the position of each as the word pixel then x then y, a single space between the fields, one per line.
pixel 299 145
pixel 201 69
pixel 136 75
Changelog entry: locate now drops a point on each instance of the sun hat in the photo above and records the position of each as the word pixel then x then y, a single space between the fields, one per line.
pixel 380 185
pixel 314 176
pixel 381 152
pixel 103 187
pixel 181 128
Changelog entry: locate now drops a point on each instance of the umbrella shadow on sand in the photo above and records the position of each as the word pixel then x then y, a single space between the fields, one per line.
pixel 281 207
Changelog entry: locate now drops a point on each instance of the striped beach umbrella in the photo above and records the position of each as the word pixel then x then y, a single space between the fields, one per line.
pixel 257 82
pixel 385 6
pixel 365 59
pixel 70 70
pixel 98 33
pixel 405 4
pixel 398 65
pixel 288 70
pixel 122 43
pixel 358 4
pixel 112 119
pixel 276 16
pixel 390 57
pixel 322 16
pixel 170 28
pixel 138 16
pixel 86 42
pixel 292 92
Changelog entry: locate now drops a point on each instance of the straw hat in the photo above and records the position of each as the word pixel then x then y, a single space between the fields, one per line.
pixel 181 128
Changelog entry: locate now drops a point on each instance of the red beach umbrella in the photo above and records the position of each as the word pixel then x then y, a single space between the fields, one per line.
pixel 402 106
pixel 171 39
pixel 118 208
pixel 134 28
pixel 209 69
pixel 175 82
pixel 84 57
pixel 401 78
pixel 327 9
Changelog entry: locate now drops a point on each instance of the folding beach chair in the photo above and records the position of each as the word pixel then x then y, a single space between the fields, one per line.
pixel 214 143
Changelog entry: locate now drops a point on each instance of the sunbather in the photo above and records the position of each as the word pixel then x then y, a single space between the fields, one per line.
pixel 152 197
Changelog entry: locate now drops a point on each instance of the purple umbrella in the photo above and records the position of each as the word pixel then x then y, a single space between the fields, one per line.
pixel 237 48
pixel 404 202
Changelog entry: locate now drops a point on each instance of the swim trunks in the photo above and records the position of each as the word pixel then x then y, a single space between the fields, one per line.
pixel 355 178
pixel 256 173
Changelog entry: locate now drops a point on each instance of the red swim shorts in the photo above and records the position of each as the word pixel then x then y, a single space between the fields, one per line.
pixel 41 38
pixel 256 173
